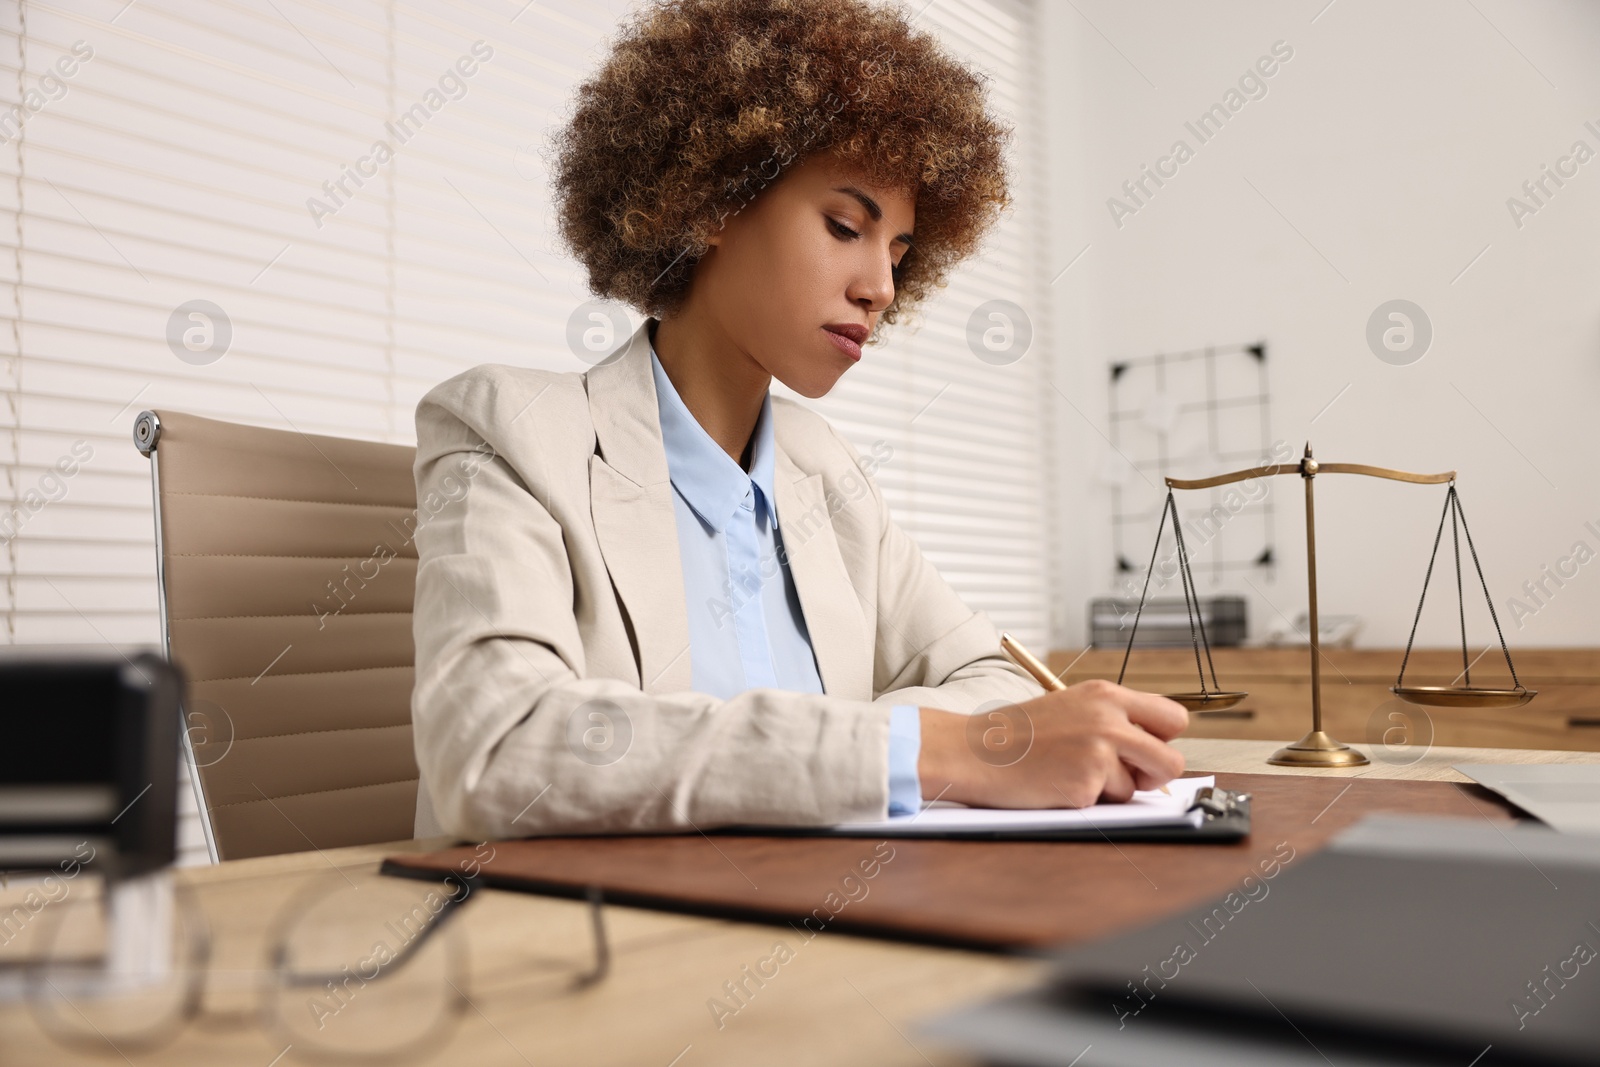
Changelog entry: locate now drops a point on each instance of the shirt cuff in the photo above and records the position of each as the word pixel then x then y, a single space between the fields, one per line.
pixel 905 745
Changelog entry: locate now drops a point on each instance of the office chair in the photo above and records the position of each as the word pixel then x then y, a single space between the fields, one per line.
pixel 286 566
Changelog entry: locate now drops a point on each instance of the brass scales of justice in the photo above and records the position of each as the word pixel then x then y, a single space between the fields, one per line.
pixel 1317 748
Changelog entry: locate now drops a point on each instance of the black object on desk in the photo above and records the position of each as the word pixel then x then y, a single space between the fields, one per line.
pixel 88 759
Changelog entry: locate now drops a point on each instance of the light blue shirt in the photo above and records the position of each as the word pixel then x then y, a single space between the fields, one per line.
pixel 746 628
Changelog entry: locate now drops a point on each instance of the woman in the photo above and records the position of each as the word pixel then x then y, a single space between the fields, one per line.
pixel 660 598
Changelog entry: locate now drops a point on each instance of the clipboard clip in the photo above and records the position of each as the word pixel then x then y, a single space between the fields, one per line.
pixel 1217 803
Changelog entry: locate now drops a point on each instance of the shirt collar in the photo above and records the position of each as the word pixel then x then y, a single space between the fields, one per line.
pixel 707 477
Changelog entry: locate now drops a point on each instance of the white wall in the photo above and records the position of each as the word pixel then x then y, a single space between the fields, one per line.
pixel 1391 141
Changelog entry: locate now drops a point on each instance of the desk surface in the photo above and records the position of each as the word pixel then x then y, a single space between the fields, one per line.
pixel 1433 764
pixel 840 1000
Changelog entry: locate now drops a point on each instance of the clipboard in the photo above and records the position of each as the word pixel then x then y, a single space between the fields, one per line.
pixel 1225 818
pixel 1222 816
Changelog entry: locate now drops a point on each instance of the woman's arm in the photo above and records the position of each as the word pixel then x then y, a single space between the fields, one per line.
pixel 504 699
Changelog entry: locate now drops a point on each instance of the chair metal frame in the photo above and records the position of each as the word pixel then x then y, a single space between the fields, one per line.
pixel 146 436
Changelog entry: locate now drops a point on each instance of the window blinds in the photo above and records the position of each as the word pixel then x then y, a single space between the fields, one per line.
pixel 198 215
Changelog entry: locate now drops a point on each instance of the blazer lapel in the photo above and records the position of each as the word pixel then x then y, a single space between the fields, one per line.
pixel 834 619
pixel 630 500
pixel 631 503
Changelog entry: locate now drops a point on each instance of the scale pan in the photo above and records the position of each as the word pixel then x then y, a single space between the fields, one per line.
pixel 1207 701
pixel 1456 696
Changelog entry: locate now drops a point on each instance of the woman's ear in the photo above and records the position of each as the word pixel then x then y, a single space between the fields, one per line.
pixel 721 228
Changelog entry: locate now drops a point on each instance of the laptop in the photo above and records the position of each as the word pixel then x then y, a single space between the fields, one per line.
pixel 1405 941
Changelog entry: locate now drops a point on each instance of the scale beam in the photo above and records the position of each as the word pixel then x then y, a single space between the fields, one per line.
pixel 1309 467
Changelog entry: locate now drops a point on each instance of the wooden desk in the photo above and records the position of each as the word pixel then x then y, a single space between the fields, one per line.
pixel 1433 765
pixel 841 1000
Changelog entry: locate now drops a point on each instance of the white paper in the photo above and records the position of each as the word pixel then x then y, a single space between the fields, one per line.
pixel 1153 808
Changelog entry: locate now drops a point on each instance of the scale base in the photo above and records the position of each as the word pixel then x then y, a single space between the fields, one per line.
pixel 1317 749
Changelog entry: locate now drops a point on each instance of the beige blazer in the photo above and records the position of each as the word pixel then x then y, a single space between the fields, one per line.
pixel 552 639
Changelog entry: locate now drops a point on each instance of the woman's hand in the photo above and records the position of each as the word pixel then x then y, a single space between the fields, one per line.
pixel 1092 741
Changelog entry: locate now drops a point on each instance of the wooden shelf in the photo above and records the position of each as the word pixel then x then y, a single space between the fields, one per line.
pixel 1357 706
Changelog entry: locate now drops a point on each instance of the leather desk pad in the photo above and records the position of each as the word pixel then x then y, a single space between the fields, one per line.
pixel 1009 896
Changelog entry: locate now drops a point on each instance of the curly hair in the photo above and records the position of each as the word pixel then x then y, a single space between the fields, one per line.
pixel 701 103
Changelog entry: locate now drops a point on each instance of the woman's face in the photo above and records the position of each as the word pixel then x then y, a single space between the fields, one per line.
pixel 815 249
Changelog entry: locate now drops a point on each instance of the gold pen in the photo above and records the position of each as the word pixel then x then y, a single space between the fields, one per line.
pixel 1041 674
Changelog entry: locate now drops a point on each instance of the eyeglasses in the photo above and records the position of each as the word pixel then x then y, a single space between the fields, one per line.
pixel 357 967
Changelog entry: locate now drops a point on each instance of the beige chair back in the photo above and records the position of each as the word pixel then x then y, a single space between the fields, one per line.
pixel 287 569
